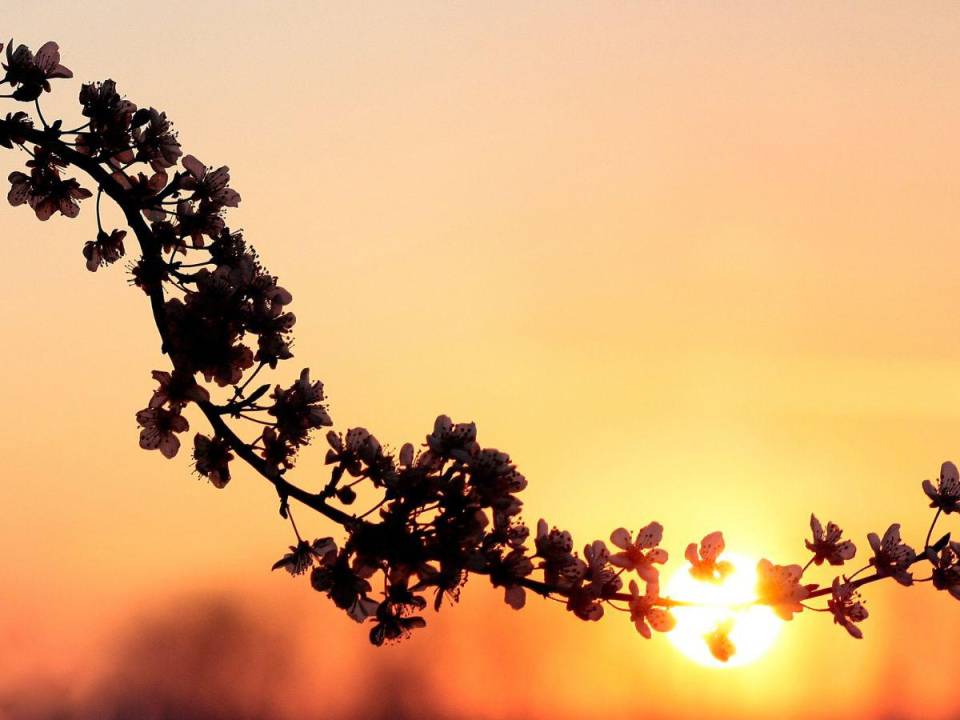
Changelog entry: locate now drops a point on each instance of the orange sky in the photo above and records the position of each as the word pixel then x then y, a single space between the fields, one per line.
pixel 690 262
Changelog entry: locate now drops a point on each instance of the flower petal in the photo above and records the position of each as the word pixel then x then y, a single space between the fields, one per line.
pixel 515 597
pixel 661 620
pixel 621 538
pixel 650 536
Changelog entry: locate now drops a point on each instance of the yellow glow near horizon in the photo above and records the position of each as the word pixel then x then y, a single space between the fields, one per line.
pixel 753 628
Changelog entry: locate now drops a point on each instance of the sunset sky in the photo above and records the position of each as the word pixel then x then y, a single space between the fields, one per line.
pixel 686 262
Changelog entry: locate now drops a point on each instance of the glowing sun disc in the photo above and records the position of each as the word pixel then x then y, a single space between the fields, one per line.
pixel 754 628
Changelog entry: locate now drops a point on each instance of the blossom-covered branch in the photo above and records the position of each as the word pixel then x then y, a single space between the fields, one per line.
pixel 436 513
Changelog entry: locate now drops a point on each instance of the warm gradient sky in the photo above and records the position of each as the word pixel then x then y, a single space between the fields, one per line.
pixel 692 262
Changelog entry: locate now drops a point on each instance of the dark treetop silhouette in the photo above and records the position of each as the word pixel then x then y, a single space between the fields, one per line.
pixel 444 511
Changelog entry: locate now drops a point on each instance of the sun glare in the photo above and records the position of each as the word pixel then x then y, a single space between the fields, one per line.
pixel 719 628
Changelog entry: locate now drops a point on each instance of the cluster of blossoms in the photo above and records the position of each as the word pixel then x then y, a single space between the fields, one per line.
pixel 43 189
pixel 30 74
pixel 441 511
pixel 450 509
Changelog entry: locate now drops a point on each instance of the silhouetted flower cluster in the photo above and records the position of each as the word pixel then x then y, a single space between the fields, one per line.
pixel 827 544
pixel 43 189
pixel 946 495
pixel 212 458
pixel 105 250
pixel 110 119
pixel 946 568
pixel 436 513
pixel 891 556
pixel 846 608
pixel 13 129
pixel 31 74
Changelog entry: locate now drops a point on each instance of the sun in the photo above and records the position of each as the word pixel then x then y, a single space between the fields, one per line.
pixel 722 622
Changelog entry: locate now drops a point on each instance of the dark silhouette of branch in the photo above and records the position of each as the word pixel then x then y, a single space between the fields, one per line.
pixel 442 512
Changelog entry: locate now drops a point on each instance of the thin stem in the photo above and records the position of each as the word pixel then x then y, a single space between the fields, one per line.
pixel 239 391
pixel 293 523
pixel 76 129
pixel 861 582
pixel 99 195
pixel 182 277
pixel 43 120
pixel 253 419
pixel 416 512
pixel 371 510
pixel 926 543
pixel 865 567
